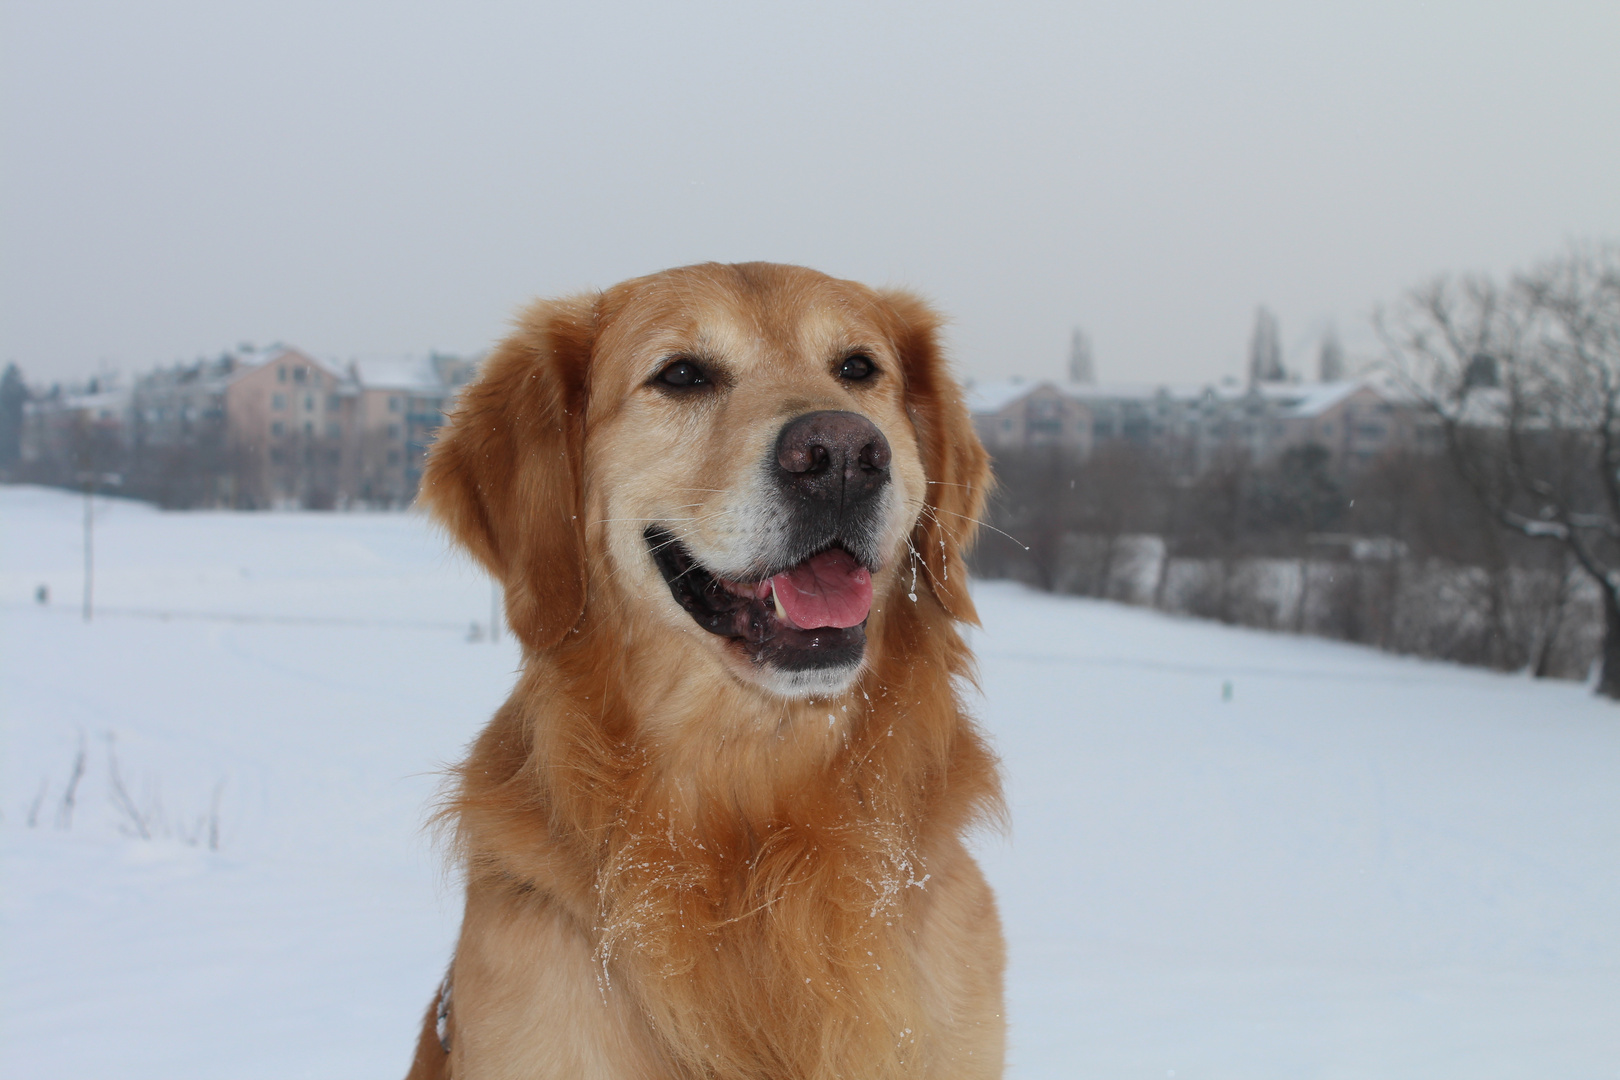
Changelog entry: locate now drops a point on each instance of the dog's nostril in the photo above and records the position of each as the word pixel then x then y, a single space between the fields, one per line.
pixel 803 459
pixel 875 455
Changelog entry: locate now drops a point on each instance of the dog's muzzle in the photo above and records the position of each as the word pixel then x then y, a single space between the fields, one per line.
pixel 806 607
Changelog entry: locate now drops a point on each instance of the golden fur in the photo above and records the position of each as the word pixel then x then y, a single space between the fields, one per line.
pixel 673 869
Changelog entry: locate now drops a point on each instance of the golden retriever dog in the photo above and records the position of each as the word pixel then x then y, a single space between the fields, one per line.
pixel 717 830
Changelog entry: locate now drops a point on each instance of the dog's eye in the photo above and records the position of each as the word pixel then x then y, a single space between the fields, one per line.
pixel 682 374
pixel 857 367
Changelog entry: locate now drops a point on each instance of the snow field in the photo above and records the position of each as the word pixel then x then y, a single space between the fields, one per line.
pixel 1353 865
pixel 1358 866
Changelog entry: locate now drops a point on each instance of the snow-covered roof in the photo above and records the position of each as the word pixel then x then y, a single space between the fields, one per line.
pixel 408 373
pixel 257 356
pixel 1099 392
pixel 1317 398
pixel 251 359
pixel 103 400
pixel 1292 399
pixel 1314 399
pixel 989 397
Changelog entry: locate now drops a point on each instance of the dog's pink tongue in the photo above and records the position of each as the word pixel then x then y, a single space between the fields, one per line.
pixel 831 589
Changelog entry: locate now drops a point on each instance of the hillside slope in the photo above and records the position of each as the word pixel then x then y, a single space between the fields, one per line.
pixel 1231 854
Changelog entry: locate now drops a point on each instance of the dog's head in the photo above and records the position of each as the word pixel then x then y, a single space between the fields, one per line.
pixel 754 454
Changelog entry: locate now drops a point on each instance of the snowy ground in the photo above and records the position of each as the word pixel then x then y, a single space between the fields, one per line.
pixel 1358 866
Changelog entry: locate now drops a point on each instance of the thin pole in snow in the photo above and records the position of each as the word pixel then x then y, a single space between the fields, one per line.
pixel 91 478
pixel 89 546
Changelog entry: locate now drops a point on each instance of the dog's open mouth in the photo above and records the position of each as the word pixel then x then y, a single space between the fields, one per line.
pixel 810 615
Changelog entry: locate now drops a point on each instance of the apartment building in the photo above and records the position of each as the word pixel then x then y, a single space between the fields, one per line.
pixel 255 428
pixel 1355 420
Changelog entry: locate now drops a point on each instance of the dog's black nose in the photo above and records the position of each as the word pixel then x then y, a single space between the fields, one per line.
pixel 839 457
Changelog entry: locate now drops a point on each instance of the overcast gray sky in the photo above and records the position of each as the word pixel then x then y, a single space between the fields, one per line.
pixel 374 177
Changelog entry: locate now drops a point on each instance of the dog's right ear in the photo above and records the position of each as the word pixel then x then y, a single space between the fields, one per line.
pixel 504 476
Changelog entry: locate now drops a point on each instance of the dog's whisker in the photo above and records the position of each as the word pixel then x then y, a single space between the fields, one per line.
pixel 935 511
pixel 610 521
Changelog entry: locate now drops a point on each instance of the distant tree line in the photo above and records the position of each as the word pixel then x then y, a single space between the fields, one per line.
pixel 1501 549
pixel 75 446
pixel 1402 555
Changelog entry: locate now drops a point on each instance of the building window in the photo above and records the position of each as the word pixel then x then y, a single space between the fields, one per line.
pixel 281 374
pixel 278 401
pixel 393 404
pixel 332 402
pixel 309 427
pixel 309 402
pixel 393 431
pixel 277 428
pixel 333 431
pixel 300 374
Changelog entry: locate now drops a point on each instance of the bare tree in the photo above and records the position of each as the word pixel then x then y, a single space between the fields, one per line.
pixel 1525 381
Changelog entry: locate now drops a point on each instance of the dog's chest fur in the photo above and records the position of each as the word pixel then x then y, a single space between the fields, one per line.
pixel 764 926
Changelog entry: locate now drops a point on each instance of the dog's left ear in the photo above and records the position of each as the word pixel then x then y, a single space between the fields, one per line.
pixel 504 476
pixel 956 464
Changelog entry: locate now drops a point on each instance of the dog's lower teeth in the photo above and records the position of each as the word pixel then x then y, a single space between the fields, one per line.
pixel 781 612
